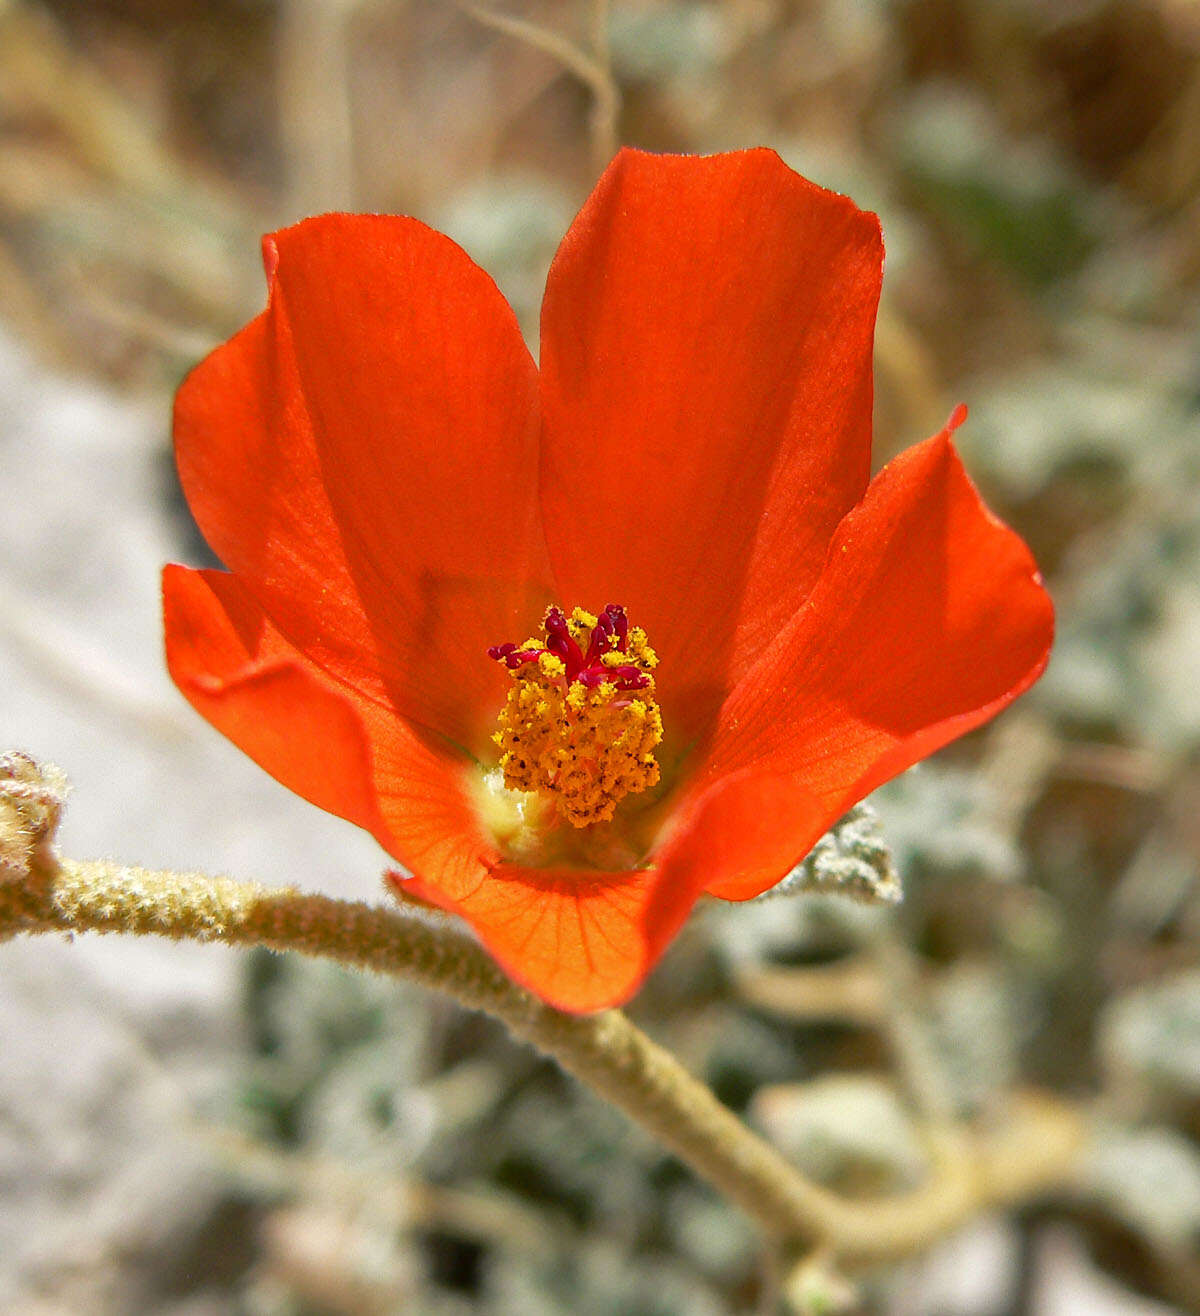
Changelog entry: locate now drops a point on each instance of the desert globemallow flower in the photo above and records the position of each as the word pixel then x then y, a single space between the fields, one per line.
pixel 580 643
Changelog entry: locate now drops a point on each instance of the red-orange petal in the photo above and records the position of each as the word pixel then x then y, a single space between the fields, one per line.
pixel 582 940
pixel 364 456
pixel 329 744
pixel 706 377
pixel 576 939
pixel 928 619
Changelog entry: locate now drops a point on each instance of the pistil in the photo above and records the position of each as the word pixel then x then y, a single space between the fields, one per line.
pixel 581 723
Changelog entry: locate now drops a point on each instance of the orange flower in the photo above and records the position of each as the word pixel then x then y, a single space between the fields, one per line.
pixel 397 490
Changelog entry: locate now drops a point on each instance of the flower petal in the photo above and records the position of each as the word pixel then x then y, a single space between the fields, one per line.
pixel 330 745
pixel 364 456
pixel 706 375
pixel 576 939
pixel 580 939
pixel 929 618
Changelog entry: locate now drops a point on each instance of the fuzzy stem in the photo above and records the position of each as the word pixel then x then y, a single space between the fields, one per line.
pixel 1031 1154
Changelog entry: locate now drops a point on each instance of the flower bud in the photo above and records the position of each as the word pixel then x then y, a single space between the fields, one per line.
pixel 31 801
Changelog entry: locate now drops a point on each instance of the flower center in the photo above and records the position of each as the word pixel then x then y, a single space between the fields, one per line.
pixel 580 724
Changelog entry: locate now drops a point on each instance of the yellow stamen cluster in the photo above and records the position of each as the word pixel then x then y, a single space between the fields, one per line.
pixel 584 747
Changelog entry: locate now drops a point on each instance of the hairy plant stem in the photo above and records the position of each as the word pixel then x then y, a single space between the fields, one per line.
pixel 1033 1152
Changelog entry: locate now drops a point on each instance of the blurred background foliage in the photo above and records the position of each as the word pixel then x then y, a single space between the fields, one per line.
pixel 1037 170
